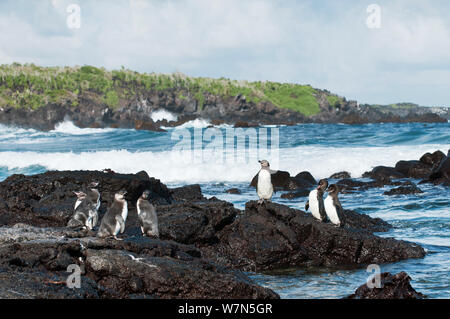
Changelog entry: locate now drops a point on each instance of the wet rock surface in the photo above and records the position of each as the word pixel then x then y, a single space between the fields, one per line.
pixel 392 287
pixel 282 180
pixel 135 267
pixel 234 191
pixel 270 236
pixel 404 190
pixel 135 112
pixel 47 199
pixel 340 175
pixel 199 238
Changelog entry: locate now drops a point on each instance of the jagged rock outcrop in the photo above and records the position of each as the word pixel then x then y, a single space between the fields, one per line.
pixel 392 287
pixel 272 236
pixel 47 199
pixel 33 264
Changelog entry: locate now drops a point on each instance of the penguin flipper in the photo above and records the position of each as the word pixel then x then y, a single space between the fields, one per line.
pixel 340 212
pixel 119 219
pixel 307 205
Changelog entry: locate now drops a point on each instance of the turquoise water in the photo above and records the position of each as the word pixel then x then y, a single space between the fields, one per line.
pixel 177 158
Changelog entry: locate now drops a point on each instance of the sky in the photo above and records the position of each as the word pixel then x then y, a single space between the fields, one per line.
pixel 397 51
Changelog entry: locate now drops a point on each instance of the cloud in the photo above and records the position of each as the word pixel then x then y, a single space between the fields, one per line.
pixel 323 43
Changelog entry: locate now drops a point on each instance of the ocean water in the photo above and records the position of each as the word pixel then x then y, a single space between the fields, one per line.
pixel 196 153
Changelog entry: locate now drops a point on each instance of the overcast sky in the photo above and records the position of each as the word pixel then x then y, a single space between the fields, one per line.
pixel 325 43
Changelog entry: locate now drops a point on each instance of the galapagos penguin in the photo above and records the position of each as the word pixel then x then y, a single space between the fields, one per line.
pixel 264 187
pixel 114 220
pixel 83 212
pixel 147 216
pixel 315 201
pixel 333 207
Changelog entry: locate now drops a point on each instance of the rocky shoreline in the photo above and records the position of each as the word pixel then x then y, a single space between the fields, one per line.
pixel 205 240
pixel 137 113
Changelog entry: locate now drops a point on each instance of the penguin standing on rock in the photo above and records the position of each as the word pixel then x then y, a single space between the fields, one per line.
pixel 264 186
pixel 93 195
pixel 147 216
pixel 114 220
pixel 84 210
pixel 315 202
pixel 333 207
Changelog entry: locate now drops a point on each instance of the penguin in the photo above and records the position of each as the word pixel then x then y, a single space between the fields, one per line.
pixel 83 212
pixel 315 201
pixel 114 220
pixel 93 195
pixel 333 207
pixel 80 197
pixel 147 216
pixel 264 186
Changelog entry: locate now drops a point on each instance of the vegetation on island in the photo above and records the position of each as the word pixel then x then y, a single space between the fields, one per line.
pixel 31 86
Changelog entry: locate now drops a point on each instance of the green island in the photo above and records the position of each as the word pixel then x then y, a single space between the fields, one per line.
pixel 32 86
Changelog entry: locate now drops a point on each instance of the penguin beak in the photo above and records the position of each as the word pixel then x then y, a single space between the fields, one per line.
pixel 260 162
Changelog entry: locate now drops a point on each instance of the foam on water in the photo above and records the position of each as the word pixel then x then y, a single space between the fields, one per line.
pixel 197 123
pixel 189 167
pixel 162 114
pixel 67 127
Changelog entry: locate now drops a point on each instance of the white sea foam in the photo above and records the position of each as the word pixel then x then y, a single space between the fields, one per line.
pixel 197 123
pixel 162 114
pixel 187 167
pixel 67 127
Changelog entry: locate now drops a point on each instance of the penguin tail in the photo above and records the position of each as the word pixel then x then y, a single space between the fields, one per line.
pixel 307 205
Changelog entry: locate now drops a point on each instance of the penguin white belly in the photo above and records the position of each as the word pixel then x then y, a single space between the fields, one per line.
pixel 330 209
pixel 265 188
pixel 117 229
pixel 314 204
pixel 77 203
pixel 138 208
pixel 125 211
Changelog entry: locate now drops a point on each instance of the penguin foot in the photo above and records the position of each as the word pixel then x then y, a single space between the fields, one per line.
pixel 261 201
pixel 117 238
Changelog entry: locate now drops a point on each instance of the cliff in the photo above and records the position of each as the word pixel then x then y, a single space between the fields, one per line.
pixel 41 97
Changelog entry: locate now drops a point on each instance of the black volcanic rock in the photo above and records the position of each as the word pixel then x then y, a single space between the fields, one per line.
pixel 340 175
pixel 263 237
pixel 414 169
pixel 404 190
pixel 187 193
pixel 273 236
pixel 392 287
pixel 280 180
pixel 305 177
pixel 47 199
pixel 433 159
pixel 284 181
pixel 233 191
pixel 195 222
pixel 380 172
pixel 296 194
pixel 133 268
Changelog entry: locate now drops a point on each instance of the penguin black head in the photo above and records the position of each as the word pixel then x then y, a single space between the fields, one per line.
pixel 146 194
pixel 264 163
pixel 120 195
pixel 323 184
pixel 94 184
pixel 333 189
pixel 80 195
